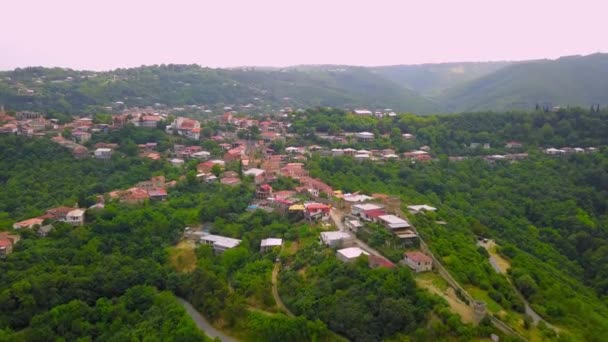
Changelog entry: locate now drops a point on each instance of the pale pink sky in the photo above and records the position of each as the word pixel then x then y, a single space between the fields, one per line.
pixel 100 35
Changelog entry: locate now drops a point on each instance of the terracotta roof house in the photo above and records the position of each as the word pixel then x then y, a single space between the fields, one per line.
pixel 134 196
pixel 230 181
pixel 418 261
pixel 157 194
pixel 28 223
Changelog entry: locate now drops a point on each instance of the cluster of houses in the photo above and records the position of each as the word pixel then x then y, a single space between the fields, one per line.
pixel 154 189
pixel 568 150
pixel 25 123
pixel 220 244
pixel 69 215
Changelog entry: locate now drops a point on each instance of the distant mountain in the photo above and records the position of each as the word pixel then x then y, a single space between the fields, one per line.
pixel 432 79
pixel 422 89
pixel 574 81
pixel 72 91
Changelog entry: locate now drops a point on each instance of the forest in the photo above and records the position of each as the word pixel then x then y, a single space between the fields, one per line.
pixel 547 214
pixel 452 134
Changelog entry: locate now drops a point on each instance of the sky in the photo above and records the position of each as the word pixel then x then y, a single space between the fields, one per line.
pixel 108 34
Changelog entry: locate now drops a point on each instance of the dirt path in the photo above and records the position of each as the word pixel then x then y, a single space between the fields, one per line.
pixel 203 324
pixel 275 290
pixel 462 309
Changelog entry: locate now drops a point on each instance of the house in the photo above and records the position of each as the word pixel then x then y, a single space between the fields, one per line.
pixel 103 153
pixel 513 144
pixel 157 194
pixel 201 155
pixel 75 217
pixel 378 261
pixel 219 243
pixel 269 244
pixel 315 187
pixel 28 223
pixel 6 247
pixel 372 215
pixel 177 162
pixel 353 225
pixel 359 209
pixel 13 238
pixel 554 151
pixel 58 214
pixel 207 166
pixel 230 181
pixel 337 152
pixel 263 192
pixel 134 196
pixel 258 175
pixel 157 182
pixel 187 127
pixel 408 136
pixel 316 211
pixel 362 112
pixel 7 241
pixel 45 230
pixel 350 254
pixel 365 136
pixel 418 261
pixel 415 209
pixel 294 170
pixel 81 137
pixel 335 238
pixel 393 222
pixel 147 121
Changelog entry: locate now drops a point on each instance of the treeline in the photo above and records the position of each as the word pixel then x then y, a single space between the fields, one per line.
pixel 548 214
pixel 140 314
pixel 453 134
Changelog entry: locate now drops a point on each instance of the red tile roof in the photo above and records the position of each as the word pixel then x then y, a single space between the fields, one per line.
pixel 417 256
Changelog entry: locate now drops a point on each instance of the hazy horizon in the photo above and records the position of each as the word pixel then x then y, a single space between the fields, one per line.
pixel 112 34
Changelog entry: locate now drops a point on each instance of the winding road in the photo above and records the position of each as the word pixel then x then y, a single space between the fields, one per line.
pixel 203 324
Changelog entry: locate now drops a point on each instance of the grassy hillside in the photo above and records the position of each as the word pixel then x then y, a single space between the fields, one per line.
pixel 432 79
pixel 567 81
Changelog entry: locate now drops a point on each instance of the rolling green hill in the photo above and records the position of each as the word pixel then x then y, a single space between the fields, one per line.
pixel 432 79
pixel 573 81
pixel 65 90
pixel 422 89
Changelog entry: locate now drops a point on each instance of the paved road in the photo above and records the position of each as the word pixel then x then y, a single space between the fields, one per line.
pixel 336 216
pixel 203 324
pixel 275 291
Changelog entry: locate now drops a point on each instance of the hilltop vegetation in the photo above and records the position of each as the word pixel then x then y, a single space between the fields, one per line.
pixel 421 89
pixel 566 81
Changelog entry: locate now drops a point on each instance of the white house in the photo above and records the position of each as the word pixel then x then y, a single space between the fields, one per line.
pixel 415 209
pixel 350 254
pixel 353 225
pixel 362 112
pixel 393 222
pixel 103 153
pixel 219 243
pixel 270 243
pixel 177 162
pixel 335 238
pixel 365 136
pixel 201 155
pixel 75 217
